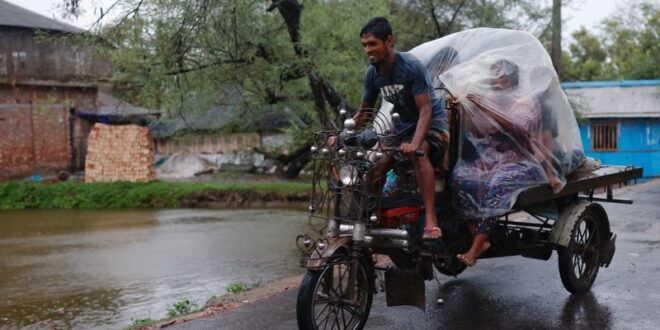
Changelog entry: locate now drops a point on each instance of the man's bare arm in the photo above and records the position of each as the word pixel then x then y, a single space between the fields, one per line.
pixel 423 102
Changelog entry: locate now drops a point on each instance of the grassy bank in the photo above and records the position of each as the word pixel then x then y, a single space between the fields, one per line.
pixel 71 195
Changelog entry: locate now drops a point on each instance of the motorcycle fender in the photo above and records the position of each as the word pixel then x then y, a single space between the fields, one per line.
pixel 561 231
pixel 319 258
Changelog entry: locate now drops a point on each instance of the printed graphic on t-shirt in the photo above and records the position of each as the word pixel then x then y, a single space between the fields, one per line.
pixel 393 94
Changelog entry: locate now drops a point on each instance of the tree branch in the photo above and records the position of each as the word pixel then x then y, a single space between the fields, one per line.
pixel 435 18
pixel 453 18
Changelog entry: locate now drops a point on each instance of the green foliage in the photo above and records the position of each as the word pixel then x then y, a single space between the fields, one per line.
pixel 418 21
pixel 75 195
pixel 628 46
pixel 182 307
pixel 140 323
pixel 237 287
pixel 632 37
pixel 587 57
pixel 176 55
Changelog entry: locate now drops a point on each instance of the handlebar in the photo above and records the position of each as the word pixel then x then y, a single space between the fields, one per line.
pixel 418 153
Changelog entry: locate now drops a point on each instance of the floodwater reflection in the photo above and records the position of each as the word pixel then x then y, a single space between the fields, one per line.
pixel 100 269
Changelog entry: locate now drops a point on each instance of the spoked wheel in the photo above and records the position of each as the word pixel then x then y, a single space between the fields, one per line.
pixel 337 297
pixel 579 262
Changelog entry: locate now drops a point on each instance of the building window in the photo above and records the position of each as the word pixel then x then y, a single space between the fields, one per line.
pixel 3 65
pixel 18 59
pixel 80 63
pixel 604 136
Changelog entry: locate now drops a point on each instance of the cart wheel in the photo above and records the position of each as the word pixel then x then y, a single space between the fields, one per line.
pixel 337 297
pixel 579 262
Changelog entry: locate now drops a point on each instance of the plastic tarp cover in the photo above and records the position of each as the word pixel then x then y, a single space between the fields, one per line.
pixel 517 128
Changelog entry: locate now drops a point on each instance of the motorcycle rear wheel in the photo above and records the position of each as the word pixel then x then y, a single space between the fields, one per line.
pixel 579 262
pixel 324 296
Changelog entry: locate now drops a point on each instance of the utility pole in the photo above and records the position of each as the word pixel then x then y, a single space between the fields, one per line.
pixel 555 52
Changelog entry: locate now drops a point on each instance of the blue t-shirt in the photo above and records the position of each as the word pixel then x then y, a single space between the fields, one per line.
pixel 407 78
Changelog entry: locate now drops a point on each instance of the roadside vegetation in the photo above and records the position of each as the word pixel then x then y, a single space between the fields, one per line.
pixel 187 307
pixel 78 195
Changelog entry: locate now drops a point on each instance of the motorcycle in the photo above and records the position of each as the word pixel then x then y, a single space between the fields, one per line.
pixel 344 269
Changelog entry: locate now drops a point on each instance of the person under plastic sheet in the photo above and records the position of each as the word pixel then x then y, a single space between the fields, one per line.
pixel 402 80
pixel 484 183
pixel 565 157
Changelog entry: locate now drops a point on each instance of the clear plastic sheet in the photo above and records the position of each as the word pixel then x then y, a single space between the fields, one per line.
pixel 517 128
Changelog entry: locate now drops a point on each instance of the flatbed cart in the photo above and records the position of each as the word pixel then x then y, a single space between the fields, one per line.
pixel 572 222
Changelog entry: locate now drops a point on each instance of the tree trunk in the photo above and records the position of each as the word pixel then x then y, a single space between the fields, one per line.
pixel 322 90
pixel 556 37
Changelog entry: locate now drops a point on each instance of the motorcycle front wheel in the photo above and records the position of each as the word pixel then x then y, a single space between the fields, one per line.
pixel 338 296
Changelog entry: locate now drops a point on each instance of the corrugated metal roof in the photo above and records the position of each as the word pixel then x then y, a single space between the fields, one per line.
pixel 110 105
pixel 111 110
pixel 633 99
pixel 12 15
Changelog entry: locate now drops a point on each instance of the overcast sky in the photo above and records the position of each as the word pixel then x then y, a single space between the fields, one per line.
pixel 581 12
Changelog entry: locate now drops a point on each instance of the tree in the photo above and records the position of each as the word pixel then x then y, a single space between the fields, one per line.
pixel 555 49
pixel 632 38
pixel 627 47
pixel 418 21
pixel 586 57
pixel 176 55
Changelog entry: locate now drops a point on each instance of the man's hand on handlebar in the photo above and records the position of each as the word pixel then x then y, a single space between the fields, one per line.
pixel 407 148
pixel 330 142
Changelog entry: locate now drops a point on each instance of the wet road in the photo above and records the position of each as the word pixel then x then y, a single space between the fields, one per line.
pixel 515 292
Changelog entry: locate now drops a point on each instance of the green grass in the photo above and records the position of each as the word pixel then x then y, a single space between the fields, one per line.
pixel 72 195
pixel 237 287
pixel 182 307
pixel 140 323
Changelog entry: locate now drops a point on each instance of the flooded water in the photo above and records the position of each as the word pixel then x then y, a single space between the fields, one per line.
pixel 103 269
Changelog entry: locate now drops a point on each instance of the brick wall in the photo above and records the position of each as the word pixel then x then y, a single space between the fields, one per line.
pixel 35 127
pixel 119 153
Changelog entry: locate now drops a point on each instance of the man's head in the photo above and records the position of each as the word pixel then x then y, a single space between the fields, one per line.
pixel 504 74
pixel 377 40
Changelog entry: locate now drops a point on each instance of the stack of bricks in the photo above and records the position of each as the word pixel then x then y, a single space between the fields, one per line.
pixel 119 153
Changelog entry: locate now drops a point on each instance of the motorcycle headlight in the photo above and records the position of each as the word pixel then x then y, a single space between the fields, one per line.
pixel 348 175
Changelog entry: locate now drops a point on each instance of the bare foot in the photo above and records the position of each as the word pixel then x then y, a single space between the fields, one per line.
pixel 470 260
pixel 466 259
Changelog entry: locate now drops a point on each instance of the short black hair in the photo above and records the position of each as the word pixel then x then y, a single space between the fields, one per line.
pixel 378 26
pixel 507 68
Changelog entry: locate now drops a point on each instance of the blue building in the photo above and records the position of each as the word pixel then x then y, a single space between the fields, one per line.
pixel 619 121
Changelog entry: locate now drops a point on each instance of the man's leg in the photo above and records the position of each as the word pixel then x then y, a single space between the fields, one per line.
pixel 426 183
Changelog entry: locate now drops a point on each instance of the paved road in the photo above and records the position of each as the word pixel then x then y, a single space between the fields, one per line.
pixel 515 292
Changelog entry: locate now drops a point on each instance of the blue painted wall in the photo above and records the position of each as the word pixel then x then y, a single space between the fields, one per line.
pixel 638 144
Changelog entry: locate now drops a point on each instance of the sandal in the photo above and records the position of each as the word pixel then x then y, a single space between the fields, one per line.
pixel 431 233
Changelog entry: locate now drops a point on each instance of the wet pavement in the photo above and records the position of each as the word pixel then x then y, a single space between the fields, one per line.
pixel 515 292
